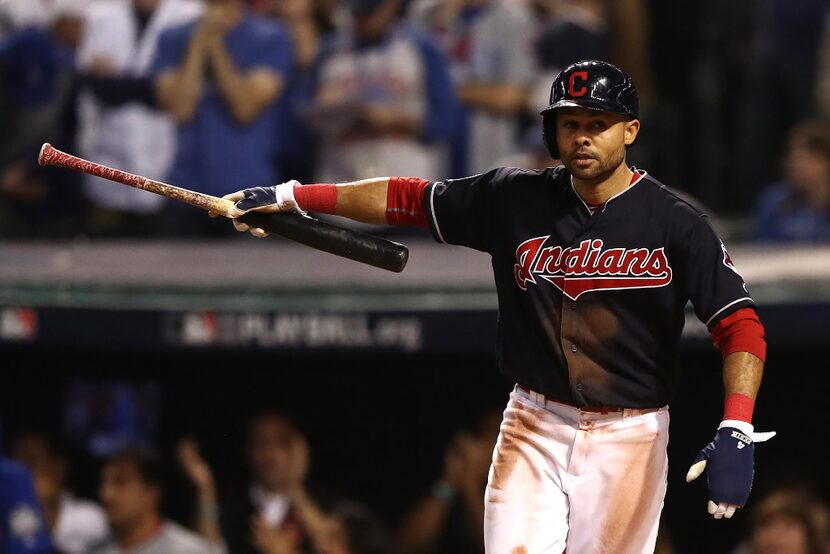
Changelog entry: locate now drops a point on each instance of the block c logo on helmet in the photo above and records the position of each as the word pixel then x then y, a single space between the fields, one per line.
pixel 572 90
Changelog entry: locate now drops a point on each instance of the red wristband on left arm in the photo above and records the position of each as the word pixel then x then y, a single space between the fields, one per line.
pixel 317 198
pixel 739 407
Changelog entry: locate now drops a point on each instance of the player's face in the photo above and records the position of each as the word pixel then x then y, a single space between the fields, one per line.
pixel 592 143
pixel 126 497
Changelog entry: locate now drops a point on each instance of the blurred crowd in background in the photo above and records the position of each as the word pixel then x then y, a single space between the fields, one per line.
pixel 219 95
pixel 277 509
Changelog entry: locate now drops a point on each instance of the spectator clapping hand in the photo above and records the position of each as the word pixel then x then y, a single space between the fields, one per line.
pixel 200 474
pixel 194 466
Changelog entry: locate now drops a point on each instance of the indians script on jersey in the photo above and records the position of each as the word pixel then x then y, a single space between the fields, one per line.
pixel 588 267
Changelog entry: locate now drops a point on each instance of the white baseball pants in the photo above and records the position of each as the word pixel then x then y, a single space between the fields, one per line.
pixel 563 478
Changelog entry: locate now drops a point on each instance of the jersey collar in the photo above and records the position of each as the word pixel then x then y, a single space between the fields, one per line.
pixel 638 176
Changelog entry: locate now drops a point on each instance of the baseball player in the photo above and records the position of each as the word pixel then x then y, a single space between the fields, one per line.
pixel 594 262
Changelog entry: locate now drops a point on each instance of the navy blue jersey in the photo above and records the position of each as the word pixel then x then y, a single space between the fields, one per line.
pixel 591 306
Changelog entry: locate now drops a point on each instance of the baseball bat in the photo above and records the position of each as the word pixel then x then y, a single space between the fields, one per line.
pixel 354 245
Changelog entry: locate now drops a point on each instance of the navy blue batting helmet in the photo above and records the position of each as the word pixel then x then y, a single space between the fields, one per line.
pixel 591 84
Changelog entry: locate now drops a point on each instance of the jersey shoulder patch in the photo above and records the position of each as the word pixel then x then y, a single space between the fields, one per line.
pixel 513 172
pixel 558 172
pixel 727 261
pixel 676 199
pixel 506 177
pixel 513 181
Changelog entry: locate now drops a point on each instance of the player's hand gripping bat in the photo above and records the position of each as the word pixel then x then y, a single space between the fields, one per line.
pixel 312 232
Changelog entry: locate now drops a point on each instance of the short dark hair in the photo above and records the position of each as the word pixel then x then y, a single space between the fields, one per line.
pixel 145 459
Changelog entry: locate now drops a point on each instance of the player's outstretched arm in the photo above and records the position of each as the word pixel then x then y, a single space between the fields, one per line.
pixel 729 459
pixel 380 200
pixel 364 200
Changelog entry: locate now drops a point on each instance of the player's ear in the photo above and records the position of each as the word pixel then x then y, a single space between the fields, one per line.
pixel 632 127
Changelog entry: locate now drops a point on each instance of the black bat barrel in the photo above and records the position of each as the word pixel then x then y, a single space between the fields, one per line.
pixel 339 241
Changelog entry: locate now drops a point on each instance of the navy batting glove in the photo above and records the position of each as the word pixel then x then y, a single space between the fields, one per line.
pixel 257 197
pixel 277 198
pixel 729 462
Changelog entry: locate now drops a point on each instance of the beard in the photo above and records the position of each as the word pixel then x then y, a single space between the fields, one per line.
pixel 598 169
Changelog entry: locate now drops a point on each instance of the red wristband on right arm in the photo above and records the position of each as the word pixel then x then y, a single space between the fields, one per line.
pixel 317 198
pixel 738 407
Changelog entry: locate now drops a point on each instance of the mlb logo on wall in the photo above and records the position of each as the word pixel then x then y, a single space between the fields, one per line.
pixel 199 329
pixel 18 324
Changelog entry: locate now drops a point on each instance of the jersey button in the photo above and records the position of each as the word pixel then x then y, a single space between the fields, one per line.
pixel 574 348
pixel 573 305
pixel 579 387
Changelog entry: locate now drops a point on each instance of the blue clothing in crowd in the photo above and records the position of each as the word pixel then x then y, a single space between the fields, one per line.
pixel 215 154
pixel 31 62
pixel 781 216
pixel 22 528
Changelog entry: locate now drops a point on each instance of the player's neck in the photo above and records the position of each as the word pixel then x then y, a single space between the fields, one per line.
pixel 598 191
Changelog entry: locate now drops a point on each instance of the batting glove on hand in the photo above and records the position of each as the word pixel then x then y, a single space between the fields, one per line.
pixel 273 199
pixel 730 458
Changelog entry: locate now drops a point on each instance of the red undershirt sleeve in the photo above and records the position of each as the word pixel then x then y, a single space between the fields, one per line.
pixel 405 201
pixel 741 331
